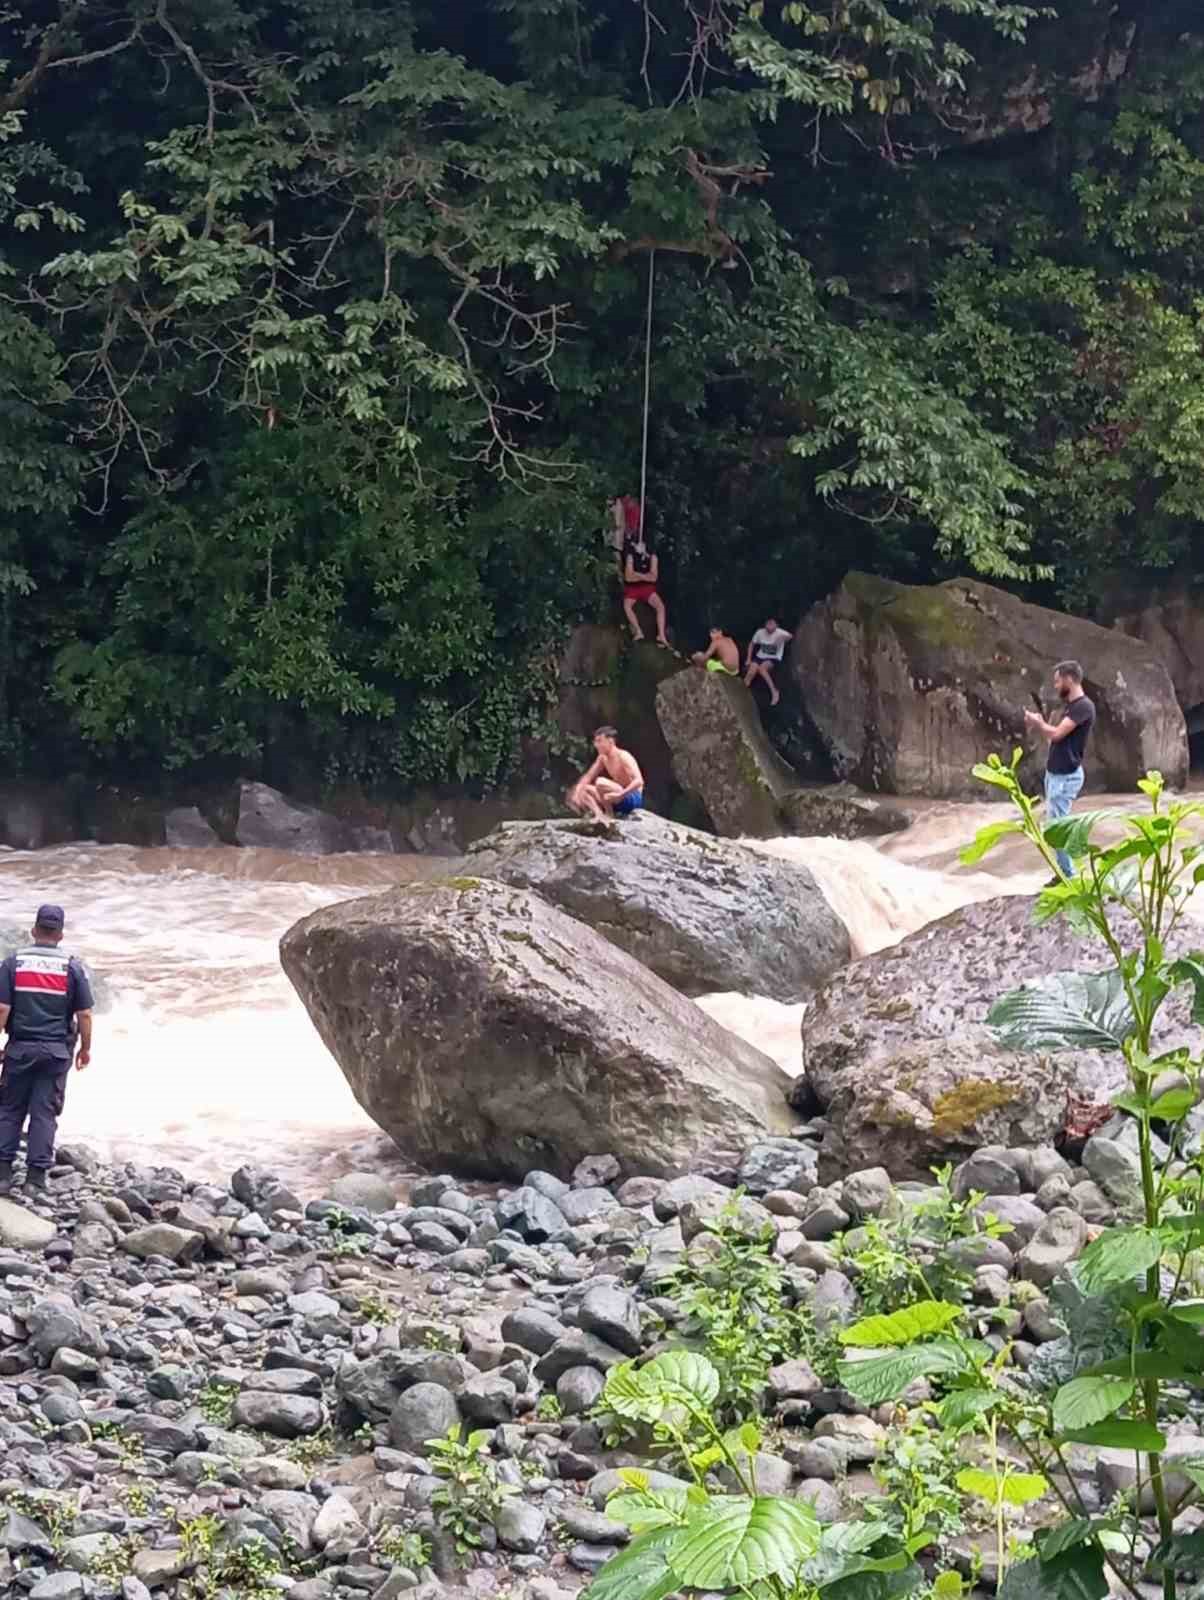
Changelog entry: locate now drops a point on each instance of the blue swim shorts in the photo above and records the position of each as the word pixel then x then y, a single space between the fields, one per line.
pixel 629 803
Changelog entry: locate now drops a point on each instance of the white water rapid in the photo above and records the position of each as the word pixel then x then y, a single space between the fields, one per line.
pixel 208 1059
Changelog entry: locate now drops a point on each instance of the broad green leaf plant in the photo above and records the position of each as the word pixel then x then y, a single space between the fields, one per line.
pixel 738 1541
pixel 1130 897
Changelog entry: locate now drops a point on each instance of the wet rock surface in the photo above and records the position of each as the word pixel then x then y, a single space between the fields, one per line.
pixel 482 1027
pixel 702 913
pixel 911 685
pixel 897 1054
pixel 191 1403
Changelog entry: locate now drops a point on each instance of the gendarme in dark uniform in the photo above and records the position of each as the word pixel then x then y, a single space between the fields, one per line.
pixel 46 1006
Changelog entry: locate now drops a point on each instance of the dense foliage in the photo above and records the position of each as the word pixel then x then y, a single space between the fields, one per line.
pixel 321 341
pixel 978 1437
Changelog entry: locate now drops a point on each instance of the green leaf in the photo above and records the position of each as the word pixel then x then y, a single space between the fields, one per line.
pixel 1065 1011
pixel 842 1553
pixel 1168 1364
pixel 886 1377
pixel 873 1584
pixel 1022 1488
pixel 1189 1311
pixel 655 1508
pixel 964 1406
pixel 948 1585
pixel 1117 1256
pixel 1073 833
pixel 987 838
pixel 1014 1489
pixel 678 1377
pixel 1053 1541
pixel 903 1327
pixel 1173 1105
pixel 683 1375
pixel 626 1395
pixel 738 1541
pixel 1075 1574
pixel 1119 1433
pixel 1182 1551
pixel 1135 1104
pixel 1183 1234
pixel 1190 969
pixel 1083 1401
pixel 641 1571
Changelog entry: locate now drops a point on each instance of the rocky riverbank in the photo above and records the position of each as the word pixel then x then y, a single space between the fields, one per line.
pixel 220 1392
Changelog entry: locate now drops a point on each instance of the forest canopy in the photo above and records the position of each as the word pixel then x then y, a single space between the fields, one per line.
pixel 321 343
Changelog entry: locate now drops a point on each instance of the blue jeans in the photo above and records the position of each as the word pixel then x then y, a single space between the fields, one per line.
pixel 1061 792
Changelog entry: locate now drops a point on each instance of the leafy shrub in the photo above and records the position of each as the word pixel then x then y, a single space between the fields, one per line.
pixel 472 1492
pixel 736 1307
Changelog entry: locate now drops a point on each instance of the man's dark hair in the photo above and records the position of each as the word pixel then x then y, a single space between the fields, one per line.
pixel 1069 669
pixel 606 733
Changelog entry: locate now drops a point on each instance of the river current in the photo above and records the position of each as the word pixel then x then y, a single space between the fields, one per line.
pixel 208 1059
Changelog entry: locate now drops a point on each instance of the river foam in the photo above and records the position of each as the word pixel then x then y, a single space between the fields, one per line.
pixel 208 1058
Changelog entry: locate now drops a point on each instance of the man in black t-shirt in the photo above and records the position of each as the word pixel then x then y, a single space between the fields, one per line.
pixel 1067 745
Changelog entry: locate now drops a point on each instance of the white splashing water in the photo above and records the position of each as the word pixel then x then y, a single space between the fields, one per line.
pixel 208 1058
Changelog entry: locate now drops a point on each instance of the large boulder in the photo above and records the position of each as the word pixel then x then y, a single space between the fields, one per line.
pixel 185 828
pixel 269 819
pixel 897 1054
pixel 721 756
pixel 485 1030
pixel 704 914
pixel 910 686
pixel 1170 621
pixel 727 766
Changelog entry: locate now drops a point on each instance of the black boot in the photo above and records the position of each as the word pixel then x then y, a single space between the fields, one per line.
pixel 35 1178
pixel 6 1177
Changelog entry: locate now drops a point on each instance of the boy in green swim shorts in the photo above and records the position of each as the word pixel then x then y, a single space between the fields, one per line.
pixel 723 655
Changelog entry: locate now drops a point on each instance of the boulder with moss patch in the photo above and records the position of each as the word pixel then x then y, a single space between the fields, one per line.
pixel 485 1030
pixel 909 686
pixel 897 1054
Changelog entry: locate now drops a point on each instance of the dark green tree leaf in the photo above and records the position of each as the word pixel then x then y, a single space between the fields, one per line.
pixel 1065 1011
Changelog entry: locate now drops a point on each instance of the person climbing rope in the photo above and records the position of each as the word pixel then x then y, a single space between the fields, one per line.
pixel 641 574
pixel 626 519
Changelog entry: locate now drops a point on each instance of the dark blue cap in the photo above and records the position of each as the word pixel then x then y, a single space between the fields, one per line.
pixel 51 918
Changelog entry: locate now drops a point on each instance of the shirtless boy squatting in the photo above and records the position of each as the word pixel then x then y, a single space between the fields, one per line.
pixel 613 786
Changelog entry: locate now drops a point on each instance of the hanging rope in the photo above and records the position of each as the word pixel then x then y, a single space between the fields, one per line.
pixel 647 394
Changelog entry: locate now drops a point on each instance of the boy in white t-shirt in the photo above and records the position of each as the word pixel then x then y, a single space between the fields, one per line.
pixel 765 651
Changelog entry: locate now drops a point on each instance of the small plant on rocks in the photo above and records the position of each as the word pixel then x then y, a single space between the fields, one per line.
pixel 900 1258
pixel 1129 898
pixel 345 1237
pixel 373 1309
pixel 403 1547
pixel 742 1542
pixel 917 1474
pixel 56 1516
pixel 312 1450
pixel 138 1498
pixel 471 1493
pixel 115 1561
pixel 735 1309
pixel 216 1402
pixel 549 1408
pixel 438 1339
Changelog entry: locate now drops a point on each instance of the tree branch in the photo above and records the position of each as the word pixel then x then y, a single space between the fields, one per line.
pixel 46 60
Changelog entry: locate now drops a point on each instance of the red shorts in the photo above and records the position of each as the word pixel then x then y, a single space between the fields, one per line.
pixel 638 591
